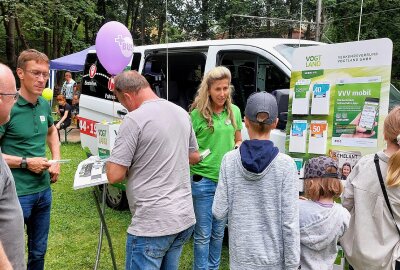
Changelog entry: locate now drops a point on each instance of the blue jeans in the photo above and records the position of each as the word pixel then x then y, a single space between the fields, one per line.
pixel 161 252
pixel 208 231
pixel 36 208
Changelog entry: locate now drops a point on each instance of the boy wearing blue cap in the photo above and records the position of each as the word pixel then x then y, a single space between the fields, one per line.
pixel 258 192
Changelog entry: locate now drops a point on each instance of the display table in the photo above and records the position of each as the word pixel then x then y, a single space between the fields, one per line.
pixel 91 173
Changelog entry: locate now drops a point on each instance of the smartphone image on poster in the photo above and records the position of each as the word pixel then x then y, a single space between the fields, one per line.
pixel 369 113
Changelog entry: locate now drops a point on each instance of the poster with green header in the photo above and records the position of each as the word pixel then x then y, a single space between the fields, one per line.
pixel 356 112
pixel 348 89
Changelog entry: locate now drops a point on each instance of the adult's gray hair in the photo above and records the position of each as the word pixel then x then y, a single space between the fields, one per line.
pixel 130 81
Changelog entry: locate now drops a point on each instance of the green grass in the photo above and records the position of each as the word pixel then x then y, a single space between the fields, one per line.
pixel 75 224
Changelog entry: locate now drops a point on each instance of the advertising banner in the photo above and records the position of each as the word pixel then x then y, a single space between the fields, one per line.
pixel 106 134
pixel 340 94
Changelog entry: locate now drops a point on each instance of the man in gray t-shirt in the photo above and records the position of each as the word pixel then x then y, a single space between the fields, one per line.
pixel 11 218
pixel 152 151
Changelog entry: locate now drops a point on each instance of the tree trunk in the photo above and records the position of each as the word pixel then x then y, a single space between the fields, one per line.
pixel 61 37
pixel 231 30
pixel 307 34
pixel 161 21
pixel 68 45
pixel 291 10
pixel 142 27
pixel 134 18
pixel 269 21
pixel 9 26
pixel 128 13
pixel 204 23
pixel 21 35
pixel 101 7
pixel 87 40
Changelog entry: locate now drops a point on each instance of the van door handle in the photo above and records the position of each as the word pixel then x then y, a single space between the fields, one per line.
pixel 122 113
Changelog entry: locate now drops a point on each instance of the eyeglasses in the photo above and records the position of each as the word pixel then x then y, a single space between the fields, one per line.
pixel 37 73
pixel 15 95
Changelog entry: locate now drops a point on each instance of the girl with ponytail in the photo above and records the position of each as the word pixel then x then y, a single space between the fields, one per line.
pixel 373 238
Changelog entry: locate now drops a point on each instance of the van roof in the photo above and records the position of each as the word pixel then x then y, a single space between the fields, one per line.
pixel 268 44
pixel 259 42
pixel 246 41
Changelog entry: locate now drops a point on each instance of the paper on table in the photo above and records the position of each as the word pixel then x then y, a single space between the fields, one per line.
pixel 90 172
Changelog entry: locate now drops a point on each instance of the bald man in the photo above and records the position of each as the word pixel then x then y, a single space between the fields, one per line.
pixel 11 217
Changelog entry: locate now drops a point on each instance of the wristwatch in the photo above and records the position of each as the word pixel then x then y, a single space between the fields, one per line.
pixel 23 164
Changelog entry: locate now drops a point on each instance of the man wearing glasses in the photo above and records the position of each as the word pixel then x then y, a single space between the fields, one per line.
pixel 23 142
pixel 11 218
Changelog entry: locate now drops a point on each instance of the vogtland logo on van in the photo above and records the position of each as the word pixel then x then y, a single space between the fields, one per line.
pixel 125 44
pixel 313 61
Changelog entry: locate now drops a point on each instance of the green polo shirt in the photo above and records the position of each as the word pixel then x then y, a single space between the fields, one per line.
pixel 25 135
pixel 219 142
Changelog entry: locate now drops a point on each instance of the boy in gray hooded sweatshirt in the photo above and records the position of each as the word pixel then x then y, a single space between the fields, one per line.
pixel 258 192
pixel 322 221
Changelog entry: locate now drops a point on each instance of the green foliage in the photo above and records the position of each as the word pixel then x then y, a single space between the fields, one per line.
pixel 62 27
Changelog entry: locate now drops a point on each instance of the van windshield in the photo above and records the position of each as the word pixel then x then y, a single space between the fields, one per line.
pixel 287 50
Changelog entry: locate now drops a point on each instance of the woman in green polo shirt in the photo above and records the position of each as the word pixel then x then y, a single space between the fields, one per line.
pixel 217 124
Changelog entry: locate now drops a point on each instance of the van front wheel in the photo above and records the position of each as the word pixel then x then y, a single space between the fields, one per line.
pixel 116 198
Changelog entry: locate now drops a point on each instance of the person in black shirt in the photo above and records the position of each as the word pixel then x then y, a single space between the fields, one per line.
pixel 64 111
pixel 75 110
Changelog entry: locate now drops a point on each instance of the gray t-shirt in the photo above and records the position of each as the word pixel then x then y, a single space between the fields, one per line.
pixel 11 219
pixel 154 141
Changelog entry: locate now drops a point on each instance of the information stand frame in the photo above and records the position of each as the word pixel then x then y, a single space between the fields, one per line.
pixel 96 180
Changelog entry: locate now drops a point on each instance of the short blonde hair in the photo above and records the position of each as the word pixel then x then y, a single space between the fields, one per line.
pixel 31 55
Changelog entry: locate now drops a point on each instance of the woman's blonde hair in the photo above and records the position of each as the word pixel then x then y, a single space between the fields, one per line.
pixel 202 101
pixel 315 188
pixel 391 130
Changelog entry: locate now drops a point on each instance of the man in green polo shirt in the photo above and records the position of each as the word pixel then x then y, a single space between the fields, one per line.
pixel 23 142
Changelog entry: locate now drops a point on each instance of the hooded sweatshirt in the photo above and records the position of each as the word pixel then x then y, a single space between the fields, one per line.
pixel 320 229
pixel 257 191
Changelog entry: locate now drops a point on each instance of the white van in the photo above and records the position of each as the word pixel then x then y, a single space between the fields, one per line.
pixel 174 72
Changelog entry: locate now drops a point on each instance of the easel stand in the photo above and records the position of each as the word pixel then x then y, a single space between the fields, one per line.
pixel 91 173
pixel 103 226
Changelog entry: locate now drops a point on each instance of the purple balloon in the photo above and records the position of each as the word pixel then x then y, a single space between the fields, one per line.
pixel 114 47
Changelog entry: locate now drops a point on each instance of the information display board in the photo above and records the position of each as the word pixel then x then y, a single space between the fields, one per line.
pixel 339 99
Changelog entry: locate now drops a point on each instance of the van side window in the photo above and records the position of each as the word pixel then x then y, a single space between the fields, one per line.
pixel 250 73
pixel 136 61
pixel 184 74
